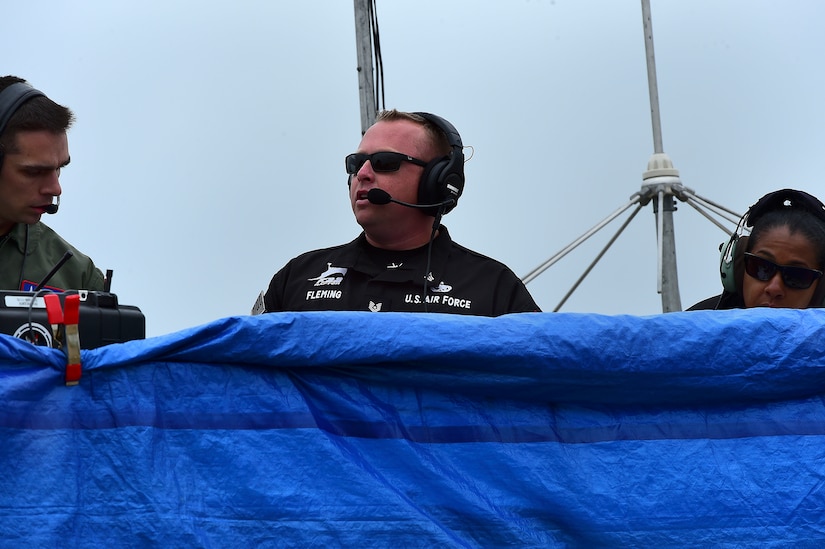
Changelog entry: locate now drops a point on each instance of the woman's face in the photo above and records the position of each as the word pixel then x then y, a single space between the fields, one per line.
pixel 783 248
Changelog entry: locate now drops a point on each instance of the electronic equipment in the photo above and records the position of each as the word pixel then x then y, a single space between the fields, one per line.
pixel 102 319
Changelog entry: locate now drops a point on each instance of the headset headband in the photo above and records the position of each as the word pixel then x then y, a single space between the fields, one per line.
pixel 11 98
pixel 453 137
pixel 777 200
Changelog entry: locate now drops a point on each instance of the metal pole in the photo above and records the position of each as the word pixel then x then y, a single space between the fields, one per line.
pixel 669 276
pixel 660 232
pixel 671 301
pixel 659 178
pixel 366 82
pixel 652 84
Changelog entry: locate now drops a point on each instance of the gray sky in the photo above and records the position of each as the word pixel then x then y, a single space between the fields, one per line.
pixel 210 136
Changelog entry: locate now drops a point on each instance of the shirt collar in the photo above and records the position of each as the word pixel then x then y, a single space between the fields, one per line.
pixel 360 255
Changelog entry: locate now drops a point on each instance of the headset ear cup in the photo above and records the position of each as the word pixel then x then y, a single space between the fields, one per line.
pixel 727 271
pixel 443 178
pixel 429 187
pixel 440 182
pixel 732 265
pixel 739 262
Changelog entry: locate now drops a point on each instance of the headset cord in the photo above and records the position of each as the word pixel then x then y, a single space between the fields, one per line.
pixel 436 225
pixel 23 263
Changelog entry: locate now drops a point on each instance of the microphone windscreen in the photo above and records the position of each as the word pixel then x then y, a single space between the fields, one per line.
pixel 52 208
pixel 379 196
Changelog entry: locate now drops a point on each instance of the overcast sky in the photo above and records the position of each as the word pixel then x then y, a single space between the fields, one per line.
pixel 210 136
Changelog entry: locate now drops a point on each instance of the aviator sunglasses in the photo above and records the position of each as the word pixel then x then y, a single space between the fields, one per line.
pixel 797 278
pixel 381 162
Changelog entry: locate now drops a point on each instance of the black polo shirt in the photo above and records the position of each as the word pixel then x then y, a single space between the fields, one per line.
pixel 360 277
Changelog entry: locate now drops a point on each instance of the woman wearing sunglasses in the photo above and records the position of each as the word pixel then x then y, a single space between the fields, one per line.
pixel 782 261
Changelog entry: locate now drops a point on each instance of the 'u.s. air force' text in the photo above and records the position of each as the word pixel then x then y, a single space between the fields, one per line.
pixel 446 300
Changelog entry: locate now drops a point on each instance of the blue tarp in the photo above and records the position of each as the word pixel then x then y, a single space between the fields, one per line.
pixel 412 430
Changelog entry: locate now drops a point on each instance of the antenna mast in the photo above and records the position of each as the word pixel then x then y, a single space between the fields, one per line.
pixel 658 184
pixel 661 184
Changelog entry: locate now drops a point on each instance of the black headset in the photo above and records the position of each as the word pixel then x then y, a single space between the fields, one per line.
pixel 443 177
pixel 777 200
pixel 10 100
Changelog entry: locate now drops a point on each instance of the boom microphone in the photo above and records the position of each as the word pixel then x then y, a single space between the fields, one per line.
pixel 52 208
pixel 381 197
pixel 378 196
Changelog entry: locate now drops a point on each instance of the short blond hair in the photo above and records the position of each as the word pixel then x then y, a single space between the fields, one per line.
pixel 438 139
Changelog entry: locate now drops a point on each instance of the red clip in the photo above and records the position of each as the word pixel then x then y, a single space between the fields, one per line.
pixel 71 318
pixel 54 313
pixel 53 310
pixel 71 309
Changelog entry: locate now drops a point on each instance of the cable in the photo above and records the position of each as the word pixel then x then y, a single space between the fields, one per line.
pixel 23 263
pixel 436 224
pixel 30 321
pixel 597 259
pixel 380 102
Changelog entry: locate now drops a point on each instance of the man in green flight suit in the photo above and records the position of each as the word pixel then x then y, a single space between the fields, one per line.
pixel 33 150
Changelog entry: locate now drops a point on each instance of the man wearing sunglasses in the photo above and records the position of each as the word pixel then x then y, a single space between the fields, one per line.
pixel 408 171
pixel 781 263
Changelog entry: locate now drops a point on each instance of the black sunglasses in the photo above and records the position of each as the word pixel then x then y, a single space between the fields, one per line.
pixel 380 161
pixel 797 278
